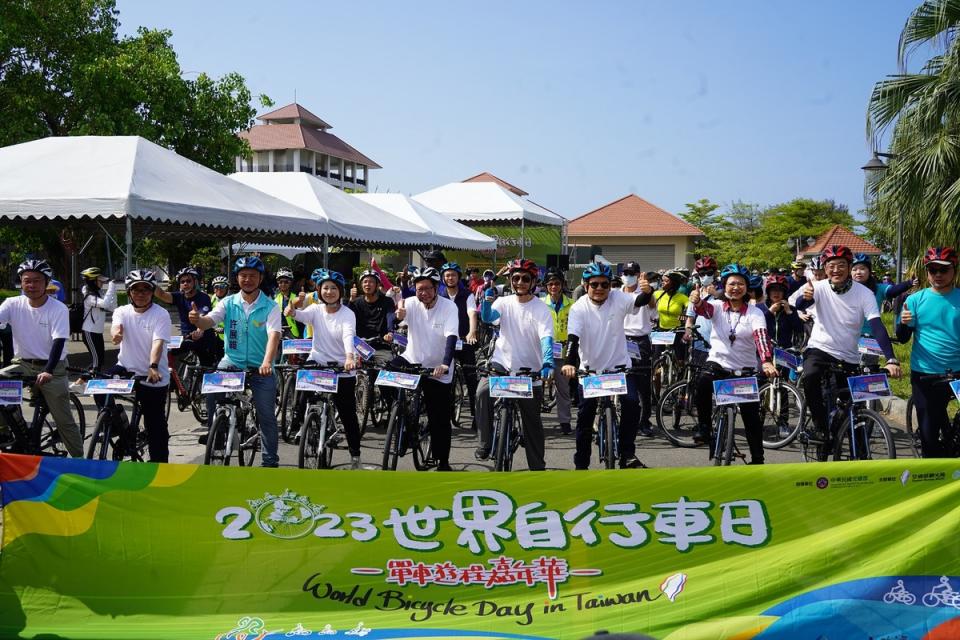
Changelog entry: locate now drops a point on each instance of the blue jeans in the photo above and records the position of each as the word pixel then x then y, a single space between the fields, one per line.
pixel 264 389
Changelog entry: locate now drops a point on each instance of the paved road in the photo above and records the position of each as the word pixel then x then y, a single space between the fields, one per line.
pixel 654 452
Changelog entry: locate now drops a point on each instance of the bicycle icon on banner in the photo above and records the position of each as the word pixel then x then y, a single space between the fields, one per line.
pixel 900 594
pixel 941 595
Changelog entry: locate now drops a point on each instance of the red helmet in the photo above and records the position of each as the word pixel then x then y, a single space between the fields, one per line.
pixel 836 251
pixel 940 255
pixel 706 263
pixel 527 266
pixel 777 281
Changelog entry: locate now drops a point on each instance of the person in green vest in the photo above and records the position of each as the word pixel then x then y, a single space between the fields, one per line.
pixel 220 288
pixel 283 297
pixel 559 305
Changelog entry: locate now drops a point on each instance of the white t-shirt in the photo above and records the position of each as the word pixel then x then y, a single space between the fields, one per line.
pixel 522 325
pixel 603 343
pixel 428 330
pixel 332 333
pixel 742 353
pixel 139 332
pixel 219 312
pixel 640 323
pixel 95 308
pixel 35 329
pixel 836 329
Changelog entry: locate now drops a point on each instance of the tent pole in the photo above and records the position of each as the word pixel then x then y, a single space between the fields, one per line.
pixel 523 241
pixel 229 255
pixel 128 258
pixel 326 251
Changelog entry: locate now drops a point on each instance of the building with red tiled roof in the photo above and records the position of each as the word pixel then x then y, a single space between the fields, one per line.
pixel 489 177
pixel 633 229
pixel 838 234
pixel 292 138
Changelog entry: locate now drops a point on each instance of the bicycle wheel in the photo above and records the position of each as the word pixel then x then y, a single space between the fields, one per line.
pixel 459 392
pixel 101 443
pixel 391 444
pixel 185 376
pixel 198 401
pixel 419 432
pixel 327 430
pixel 913 428
pixel 549 395
pixel 677 414
pixel 309 453
pixel 503 458
pixel 781 412
pixel 870 439
pixel 659 376
pixel 248 438
pixel 363 396
pixel 288 405
pixel 171 390
pixel 219 443
pixel 610 436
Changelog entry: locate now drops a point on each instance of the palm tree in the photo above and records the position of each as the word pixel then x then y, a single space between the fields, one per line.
pixel 923 108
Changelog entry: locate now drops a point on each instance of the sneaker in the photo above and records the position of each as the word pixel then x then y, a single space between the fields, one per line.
pixel 480 453
pixel 202 439
pixel 755 462
pixel 633 463
pixel 444 466
pixel 354 462
pixel 565 428
pixel 701 439
pixel 646 432
pixel 785 431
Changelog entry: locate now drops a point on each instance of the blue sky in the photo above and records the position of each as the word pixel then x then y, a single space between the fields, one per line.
pixel 578 103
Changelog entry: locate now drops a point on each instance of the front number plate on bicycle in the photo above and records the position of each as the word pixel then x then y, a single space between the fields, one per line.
pixel 736 391
pixel 662 337
pixel 226 382
pixel 291 347
pixel 175 342
pixel 397 379
pixel 607 384
pixel 11 392
pixel 511 387
pixel 872 387
pixel 558 351
pixel 108 385
pixel 955 387
pixel 363 348
pixel 784 358
pixel 316 380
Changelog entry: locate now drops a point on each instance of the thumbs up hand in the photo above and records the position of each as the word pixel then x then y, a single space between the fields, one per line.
pixel 301 298
pixel 118 334
pixel 194 315
pixel 808 291
pixel 695 297
pixel 645 285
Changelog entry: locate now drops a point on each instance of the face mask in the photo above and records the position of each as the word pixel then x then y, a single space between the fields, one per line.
pixel 655 286
pixel 630 281
pixel 706 281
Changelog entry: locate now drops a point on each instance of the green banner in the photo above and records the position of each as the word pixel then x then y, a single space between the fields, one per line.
pixel 845 550
pixel 537 242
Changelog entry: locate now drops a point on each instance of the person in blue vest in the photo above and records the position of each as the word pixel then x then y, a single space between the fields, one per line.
pixel 253 327
pixel 456 290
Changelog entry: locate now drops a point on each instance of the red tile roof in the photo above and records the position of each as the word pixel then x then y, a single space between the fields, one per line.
pixel 630 216
pixel 838 234
pixel 489 177
pixel 294 110
pixel 265 137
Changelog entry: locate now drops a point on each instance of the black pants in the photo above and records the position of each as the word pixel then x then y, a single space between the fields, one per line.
pixel 749 411
pixel 436 400
pixel 467 356
pixel 94 343
pixel 153 404
pixel 6 346
pixel 643 379
pixel 629 410
pixel 817 364
pixel 930 398
pixel 346 404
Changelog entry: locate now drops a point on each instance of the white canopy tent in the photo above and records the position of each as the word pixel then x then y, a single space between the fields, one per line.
pixel 111 181
pixel 446 232
pixel 362 222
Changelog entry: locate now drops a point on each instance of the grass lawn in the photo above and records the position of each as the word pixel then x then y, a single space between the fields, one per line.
pixel 900 387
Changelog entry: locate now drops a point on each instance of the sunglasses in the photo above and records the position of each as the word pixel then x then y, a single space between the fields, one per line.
pixel 937 270
pixel 708 273
pixel 521 278
pixel 603 284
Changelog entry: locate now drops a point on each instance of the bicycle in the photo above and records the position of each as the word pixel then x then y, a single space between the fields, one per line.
pixel 677 406
pixel 606 425
pixel 869 430
pixel 723 447
pixel 407 425
pixel 114 436
pixel 234 430
pixel 782 410
pixel 949 433
pixel 507 430
pixel 185 384
pixel 40 436
pixel 320 432
pixel 667 368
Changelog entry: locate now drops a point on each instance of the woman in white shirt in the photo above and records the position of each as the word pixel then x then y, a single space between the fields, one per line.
pixel 95 308
pixel 333 327
pixel 738 335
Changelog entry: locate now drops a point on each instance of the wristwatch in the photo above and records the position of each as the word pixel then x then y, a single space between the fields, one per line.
pixel 893 361
pixel 154 366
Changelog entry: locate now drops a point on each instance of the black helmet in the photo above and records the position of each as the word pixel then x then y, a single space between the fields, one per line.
pixel 435 255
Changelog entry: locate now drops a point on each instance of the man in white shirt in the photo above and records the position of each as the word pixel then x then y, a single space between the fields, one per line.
pixel 637 327
pixel 596 341
pixel 432 326
pixel 252 329
pixel 842 307
pixel 142 329
pixel 41 327
pixel 525 342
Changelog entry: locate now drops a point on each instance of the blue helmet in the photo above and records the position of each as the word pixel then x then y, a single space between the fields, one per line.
pixel 756 282
pixel 597 269
pixel 248 262
pixel 319 276
pixel 451 266
pixel 862 258
pixel 734 270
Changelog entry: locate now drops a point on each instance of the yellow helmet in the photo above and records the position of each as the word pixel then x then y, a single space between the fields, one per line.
pixel 91 273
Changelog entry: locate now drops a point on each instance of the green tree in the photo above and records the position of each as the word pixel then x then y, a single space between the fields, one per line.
pixel 701 215
pixel 797 219
pixel 923 181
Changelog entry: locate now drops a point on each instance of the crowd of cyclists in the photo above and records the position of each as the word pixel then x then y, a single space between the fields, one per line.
pixel 521 320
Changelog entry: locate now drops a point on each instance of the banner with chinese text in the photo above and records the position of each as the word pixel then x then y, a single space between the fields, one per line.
pixel 538 241
pixel 837 550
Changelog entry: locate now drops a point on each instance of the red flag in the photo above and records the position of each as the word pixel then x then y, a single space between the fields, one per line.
pixel 384 280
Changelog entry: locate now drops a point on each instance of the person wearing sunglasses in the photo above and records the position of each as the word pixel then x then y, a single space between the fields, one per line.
pixel 738 336
pixel 526 341
pixel 842 307
pixel 596 340
pixel 932 317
